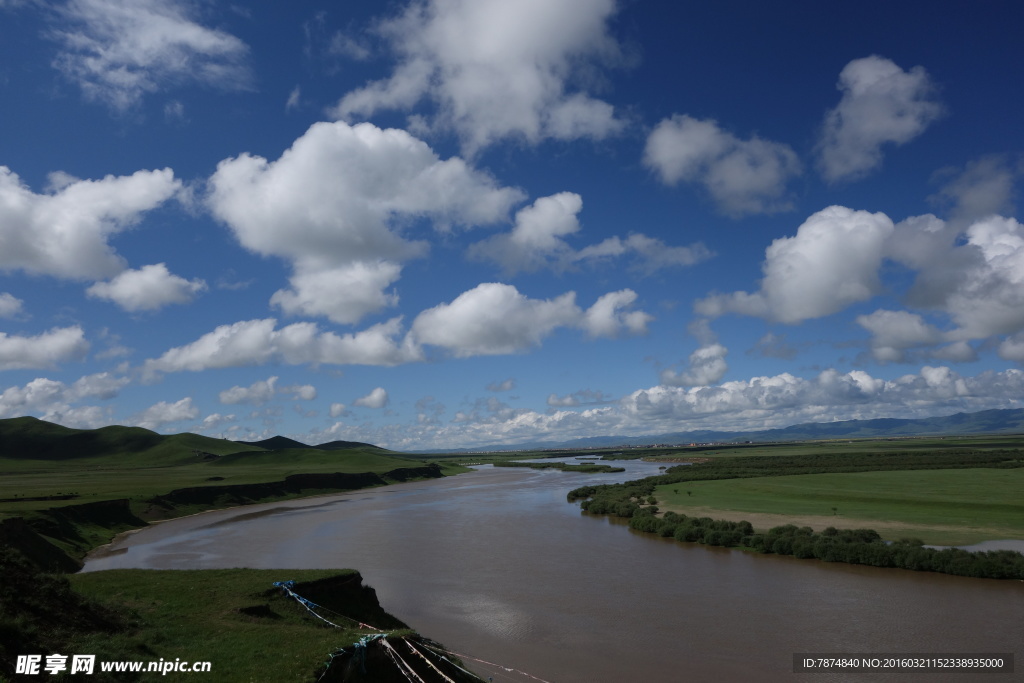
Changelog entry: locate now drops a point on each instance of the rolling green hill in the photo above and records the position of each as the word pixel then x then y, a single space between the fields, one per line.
pixel 27 439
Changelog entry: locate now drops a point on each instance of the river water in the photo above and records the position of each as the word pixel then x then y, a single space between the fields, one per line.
pixel 496 565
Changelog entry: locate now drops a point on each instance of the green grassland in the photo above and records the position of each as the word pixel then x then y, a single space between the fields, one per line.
pixel 953 506
pixel 928 444
pixel 233 618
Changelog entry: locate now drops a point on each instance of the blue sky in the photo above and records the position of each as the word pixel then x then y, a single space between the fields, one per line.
pixel 455 223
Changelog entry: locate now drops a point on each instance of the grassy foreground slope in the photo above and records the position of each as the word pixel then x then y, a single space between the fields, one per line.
pixel 235 620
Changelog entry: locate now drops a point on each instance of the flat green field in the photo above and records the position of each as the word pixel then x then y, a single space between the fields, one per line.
pixel 956 506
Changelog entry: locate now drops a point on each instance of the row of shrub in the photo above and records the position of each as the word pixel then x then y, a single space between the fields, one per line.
pixel 853 546
pixel 814 463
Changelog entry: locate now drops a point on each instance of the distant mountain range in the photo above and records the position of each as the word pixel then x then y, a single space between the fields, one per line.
pixel 984 422
pixel 280 443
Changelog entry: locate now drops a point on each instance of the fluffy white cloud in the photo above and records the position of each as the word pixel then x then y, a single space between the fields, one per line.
pixel 257 393
pixel 893 332
pixel 742 176
pixel 974 276
pixel 830 263
pixel 256 342
pixel 536 242
pixel 10 305
pixel 767 402
pixel 990 297
pixel 147 289
pixel 757 403
pixel 214 420
pixel 80 417
pixel 970 274
pixel 52 400
pixel 496 69
pixel 301 392
pixel 117 51
pixel 707 366
pixel 344 293
pixel 102 385
pixel 43 350
pixel 607 317
pixel 338 410
pixel 378 398
pixel 65 232
pixel 881 104
pixel 332 204
pixel 164 413
pixel 536 239
pixel 39 394
pixel 494 319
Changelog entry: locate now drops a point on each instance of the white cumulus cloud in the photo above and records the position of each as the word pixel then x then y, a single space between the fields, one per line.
pixel 893 332
pixel 707 366
pixel 164 413
pixel 301 392
pixel 65 232
pixel 257 342
pixel 257 393
pixel 742 176
pixel 148 288
pixel 44 350
pixel 881 104
pixel 496 70
pixel 378 398
pixel 830 263
pixel 609 315
pixel 782 400
pixel 10 305
pixel 52 400
pixel 495 319
pixel 333 203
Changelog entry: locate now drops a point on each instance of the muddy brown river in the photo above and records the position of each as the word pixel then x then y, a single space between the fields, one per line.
pixel 496 565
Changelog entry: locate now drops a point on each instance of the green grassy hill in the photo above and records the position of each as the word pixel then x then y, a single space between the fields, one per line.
pixel 24 441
